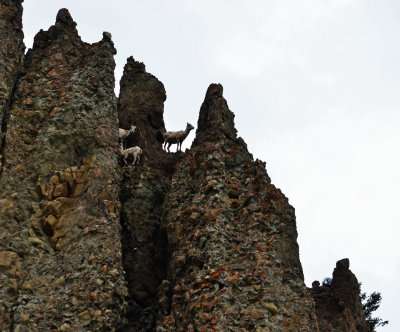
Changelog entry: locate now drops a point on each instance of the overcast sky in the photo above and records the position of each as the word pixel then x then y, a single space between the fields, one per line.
pixel 314 85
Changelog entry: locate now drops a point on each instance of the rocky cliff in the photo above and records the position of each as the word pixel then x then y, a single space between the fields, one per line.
pixel 60 247
pixel 193 241
pixel 338 304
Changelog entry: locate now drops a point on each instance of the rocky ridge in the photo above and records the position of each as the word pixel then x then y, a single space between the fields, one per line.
pixel 194 241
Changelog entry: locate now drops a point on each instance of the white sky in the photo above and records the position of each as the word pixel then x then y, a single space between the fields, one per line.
pixel 315 89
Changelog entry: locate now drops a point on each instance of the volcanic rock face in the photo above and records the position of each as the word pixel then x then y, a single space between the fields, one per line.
pixel 59 216
pixel 11 57
pixel 194 241
pixel 234 261
pixel 338 306
pixel 141 103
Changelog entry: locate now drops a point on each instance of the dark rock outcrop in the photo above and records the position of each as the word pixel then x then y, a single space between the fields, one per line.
pixel 60 233
pixel 234 262
pixel 11 58
pixel 141 103
pixel 338 305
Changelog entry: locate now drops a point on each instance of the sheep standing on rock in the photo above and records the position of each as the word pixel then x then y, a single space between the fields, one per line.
pixel 123 134
pixel 135 152
pixel 177 137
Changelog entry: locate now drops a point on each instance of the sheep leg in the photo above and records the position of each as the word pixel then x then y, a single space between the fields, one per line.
pixel 169 145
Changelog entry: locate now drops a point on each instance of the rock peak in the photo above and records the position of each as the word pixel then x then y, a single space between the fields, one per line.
pixel 133 65
pixel 216 121
pixel 343 264
pixel 65 18
pixel 338 305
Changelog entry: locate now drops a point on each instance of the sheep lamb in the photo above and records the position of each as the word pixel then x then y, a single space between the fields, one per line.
pixel 124 133
pixel 134 151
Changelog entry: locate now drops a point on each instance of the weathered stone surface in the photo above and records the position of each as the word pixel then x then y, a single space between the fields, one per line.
pixel 209 244
pixel 11 57
pixel 141 103
pixel 60 188
pixel 234 262
pixel 338 306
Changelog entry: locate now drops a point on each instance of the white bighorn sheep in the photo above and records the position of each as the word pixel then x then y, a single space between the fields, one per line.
pixel 135 152
pixel 177 137
pixel 123 134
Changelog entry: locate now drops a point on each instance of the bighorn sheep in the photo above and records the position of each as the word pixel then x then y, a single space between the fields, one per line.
pixel 177 137
pixel 123 134
pixel 135 152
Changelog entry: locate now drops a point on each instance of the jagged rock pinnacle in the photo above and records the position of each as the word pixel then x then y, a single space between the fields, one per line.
pixel 107 36
pixel 343 264
pixel 64 25
pixel 65 18
pixel 215 119
pixel 133 65
pixel 141 103
pixel 338 305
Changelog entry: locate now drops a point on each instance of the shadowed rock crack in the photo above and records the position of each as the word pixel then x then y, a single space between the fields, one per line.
pixel 4 123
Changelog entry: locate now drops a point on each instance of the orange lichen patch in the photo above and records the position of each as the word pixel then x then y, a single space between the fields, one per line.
pixel 209 304
pixel 53 73
pixel 207 316
pixel 215 320
pixel 242 258
pixel 234 202
pixel 27 101
pixel 234 277
pixel 205 285
pixel 209 186
pixel 93 296
pixel 215 214
pixel 97 171
pixel 52 111
pixel 216 274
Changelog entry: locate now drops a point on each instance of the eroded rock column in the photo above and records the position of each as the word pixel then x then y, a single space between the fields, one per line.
pixel 338 304
pixel 234 262
pixel 144 186
pixel 60 247
pixel 11 58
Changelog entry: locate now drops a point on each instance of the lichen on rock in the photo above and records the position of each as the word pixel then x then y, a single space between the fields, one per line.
pixel 61 178
pixel 231 236
pixel 199 240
